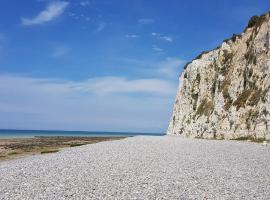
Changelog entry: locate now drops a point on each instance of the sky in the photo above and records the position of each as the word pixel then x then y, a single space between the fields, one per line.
pixel 105 65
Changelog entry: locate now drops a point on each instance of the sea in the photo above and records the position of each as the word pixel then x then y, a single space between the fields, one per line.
pixel 8 133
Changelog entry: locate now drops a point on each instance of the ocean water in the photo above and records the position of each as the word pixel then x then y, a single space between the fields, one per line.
pixel 33 133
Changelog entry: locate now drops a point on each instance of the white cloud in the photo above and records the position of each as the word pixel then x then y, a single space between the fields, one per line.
pixel 167 38
pixel 132 36
pixel 53 11
pixel 162 37
pixel 79 16
pixel 170 67
pixel 157 49
pixel 100 27
pixel 102 85
pixel 71 14
pixel 85 3
pixel 103 103
pixel 146 21
pixel 60 51
pixel 110 85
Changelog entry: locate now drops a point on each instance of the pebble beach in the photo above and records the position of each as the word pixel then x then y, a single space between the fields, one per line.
pixel 142 167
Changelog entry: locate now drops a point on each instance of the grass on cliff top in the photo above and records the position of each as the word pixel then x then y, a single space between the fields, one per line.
pixel 255 21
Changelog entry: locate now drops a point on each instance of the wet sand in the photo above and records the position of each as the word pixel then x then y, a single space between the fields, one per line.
pixel 13 148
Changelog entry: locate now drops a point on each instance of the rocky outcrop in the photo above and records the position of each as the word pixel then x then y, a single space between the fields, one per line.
pixel 225 93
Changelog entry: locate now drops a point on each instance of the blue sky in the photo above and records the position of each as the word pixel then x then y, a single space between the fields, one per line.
pixel 109 65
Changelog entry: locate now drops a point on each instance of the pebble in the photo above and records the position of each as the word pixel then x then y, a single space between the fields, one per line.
pixel 142 167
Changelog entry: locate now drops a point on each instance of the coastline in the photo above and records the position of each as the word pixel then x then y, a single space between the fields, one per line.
pixel 18 133
pixel 17 147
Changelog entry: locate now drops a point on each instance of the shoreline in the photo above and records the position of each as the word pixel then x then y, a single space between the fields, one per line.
pixel 14 148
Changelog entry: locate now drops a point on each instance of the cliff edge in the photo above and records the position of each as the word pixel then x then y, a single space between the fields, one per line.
pixel 225 93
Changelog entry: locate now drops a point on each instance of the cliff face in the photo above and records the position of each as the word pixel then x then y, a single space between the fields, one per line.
pixel 225 93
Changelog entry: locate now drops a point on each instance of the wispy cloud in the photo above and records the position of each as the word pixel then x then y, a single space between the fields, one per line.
pixel 80 17
pixel 100 27
pixel 102 85
pixel 146 21
pixel 109 85
pixel 73 15
pixel 102 103
pixel 157 49
pixel 166 38
pixel 85 3
pixel 53 11
pixel 170 67
pixel 59 51
pixel 162 37
pixel 132 36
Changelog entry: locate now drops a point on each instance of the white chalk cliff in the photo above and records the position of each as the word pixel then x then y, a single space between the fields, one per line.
pixel 225 93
